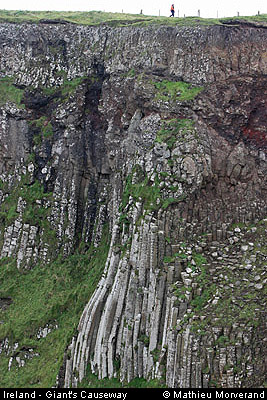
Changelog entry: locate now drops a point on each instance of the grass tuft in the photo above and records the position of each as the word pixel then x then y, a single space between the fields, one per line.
pixel 176 91
pixel 9 92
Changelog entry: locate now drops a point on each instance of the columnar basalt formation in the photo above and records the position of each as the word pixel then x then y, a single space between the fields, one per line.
pixel 159 134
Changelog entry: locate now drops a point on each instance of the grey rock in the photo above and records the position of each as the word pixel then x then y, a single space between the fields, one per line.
pixel 108 163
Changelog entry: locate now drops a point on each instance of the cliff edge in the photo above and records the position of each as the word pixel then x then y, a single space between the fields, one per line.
pixel 133 204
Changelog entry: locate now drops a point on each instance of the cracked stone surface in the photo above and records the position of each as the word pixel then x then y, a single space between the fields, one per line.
pixel 180 183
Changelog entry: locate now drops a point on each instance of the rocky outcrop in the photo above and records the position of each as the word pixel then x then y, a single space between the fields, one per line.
pixel 159 132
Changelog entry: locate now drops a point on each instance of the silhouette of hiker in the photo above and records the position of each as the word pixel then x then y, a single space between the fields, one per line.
pixel 172 11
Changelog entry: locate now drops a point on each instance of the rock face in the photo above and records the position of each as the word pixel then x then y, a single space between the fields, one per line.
pixel 161 133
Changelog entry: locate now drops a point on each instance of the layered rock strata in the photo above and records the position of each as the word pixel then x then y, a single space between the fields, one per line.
pixel 159 132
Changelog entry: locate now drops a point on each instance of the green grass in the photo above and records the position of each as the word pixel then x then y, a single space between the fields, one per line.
pixel 10 93
pixel 176 91
pixel 44 128
pixel 142 188
pixel 55 293
pixel 139 186
pixel 34 213
pixel 91 381
pixel 66 89
pixel 117 19
pixel 147 191
pixel 173 130
pixel 69 87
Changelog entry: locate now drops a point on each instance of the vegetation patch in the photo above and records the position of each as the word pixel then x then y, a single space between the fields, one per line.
pixel 44 126
pixel 117 19
pixel 174 130
pixel 54 294
pixel 140 187
pixel 91 381
pixel 35 213
pixel 9 92
pixel 70 86
pixel 66 89
pixel 176 91
pixel 145 340
pixel 223 292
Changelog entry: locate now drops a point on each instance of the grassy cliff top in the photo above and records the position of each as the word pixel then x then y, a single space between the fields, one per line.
pixel 119 19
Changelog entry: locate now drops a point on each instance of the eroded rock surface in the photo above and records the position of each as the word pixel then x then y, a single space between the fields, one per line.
pixel 161 133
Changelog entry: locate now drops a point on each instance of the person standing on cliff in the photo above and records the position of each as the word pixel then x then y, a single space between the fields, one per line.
pixel 172 11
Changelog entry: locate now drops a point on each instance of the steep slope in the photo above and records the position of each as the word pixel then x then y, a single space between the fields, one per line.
pixel 132 170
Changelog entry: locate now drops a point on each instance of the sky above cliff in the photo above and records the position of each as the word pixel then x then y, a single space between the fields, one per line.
pixel 208 8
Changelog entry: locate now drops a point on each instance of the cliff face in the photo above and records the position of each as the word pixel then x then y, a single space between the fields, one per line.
pixel 152 142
